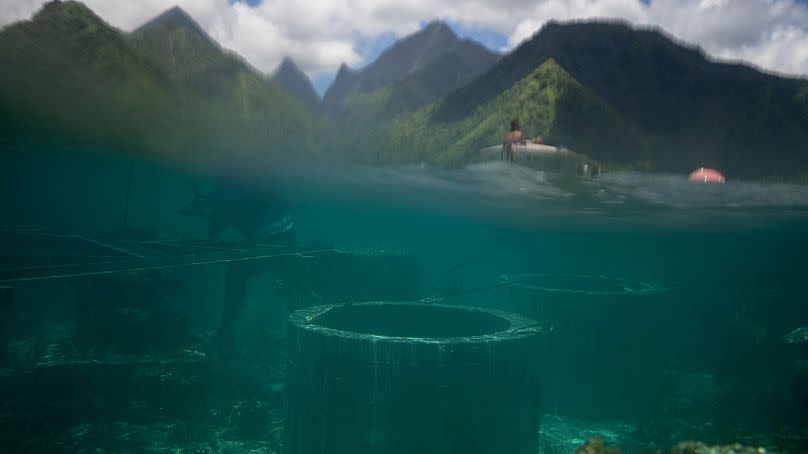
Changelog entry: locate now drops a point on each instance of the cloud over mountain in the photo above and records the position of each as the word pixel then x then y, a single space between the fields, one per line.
pixel 321 34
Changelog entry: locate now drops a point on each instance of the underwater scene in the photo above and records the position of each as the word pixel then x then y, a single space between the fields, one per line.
pixel 492 308
pixel 404 227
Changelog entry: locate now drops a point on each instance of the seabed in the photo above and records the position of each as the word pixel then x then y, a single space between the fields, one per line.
pixel 139 387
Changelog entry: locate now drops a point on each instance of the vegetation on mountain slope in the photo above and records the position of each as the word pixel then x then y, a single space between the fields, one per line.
pixel 693 110
pixel 290 78
pixel 411 55
pixel 622 95
pixel 167 88
pixel 548 102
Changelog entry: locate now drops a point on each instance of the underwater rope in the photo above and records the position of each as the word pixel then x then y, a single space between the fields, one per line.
pixel 148 267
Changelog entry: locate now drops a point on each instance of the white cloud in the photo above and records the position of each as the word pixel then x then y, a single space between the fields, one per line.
pixel 320 34
pixel 12 11
pixel 772 34
pixel 571 10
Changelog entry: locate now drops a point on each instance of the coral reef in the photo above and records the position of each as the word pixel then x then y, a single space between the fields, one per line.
pixel 596 446
pixel 697 447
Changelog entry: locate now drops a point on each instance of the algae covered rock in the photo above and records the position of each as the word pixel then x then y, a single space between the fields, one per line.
pixel 596 446
pixel 797 336
pixel 698 447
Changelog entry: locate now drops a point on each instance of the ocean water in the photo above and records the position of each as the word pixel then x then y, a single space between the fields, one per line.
pixel 666 301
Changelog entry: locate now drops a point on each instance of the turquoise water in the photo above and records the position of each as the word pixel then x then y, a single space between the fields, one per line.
pixel 668 300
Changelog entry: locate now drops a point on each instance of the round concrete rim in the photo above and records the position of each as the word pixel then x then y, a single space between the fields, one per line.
pixel 519 327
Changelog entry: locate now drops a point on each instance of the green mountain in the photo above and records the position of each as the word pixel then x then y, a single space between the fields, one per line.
pixel 68 72
pixel 405 59
pixel 690 109
pixel 548 101
pixel 186 53
pixel 373 98
pixel 251 111
pixel 168 87
pixel 624 96
pixel 289 77
pixel 437 79
pixel 365 116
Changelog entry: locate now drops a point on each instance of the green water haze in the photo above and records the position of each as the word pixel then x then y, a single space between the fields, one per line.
pixel 670 310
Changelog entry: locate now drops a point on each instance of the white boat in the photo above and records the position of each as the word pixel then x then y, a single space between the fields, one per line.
pixel 545 157
pixel 530 148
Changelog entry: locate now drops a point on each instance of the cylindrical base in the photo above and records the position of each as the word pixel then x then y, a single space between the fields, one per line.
pixel 366 392
pixel 605 345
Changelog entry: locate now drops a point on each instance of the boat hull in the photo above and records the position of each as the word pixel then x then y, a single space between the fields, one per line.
pixel 545 158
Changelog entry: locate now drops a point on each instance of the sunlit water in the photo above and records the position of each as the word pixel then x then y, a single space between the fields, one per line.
pixel 701 355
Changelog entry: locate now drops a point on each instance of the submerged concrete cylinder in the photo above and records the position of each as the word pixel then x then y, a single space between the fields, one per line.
pixel 607 348
pixel 385 377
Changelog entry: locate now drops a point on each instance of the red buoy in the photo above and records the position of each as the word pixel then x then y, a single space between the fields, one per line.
pixel 705 175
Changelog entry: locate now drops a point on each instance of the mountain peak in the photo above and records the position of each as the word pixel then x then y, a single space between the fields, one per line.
pixel 175 15
pixel 289 77
pixel 435 33
pixel 342 84
pixel 287 66
pixel 59 8
pixel 438 26
pixel 405 57
pixel 287 61
pixel 344 69
pixel 174 18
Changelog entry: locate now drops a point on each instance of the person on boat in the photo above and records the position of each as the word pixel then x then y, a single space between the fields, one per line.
pixel 511 140
pixel 538 140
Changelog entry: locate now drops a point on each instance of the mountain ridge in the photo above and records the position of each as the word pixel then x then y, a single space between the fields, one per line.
pixel 69 39
pixel 545 101
pixel 289 77
pixel 404 57
pixel 165 88
pixel 627 96
pixel 250 101
pixel 180 17
pixel 691 109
